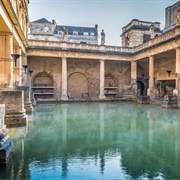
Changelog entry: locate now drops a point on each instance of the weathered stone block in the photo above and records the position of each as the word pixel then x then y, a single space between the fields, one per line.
pixel 170 102
pixel 143 99
pixel 6 144
pixel 15 113
pixel 27 103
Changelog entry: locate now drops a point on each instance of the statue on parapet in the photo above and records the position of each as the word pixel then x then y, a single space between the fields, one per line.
pixel 64 34
pixel 102 37
pixel 178 15
pixel 152 31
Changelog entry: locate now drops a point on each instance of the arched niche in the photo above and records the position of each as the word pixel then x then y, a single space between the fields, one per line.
pixel 78 85
pixel 43 86
pixel 110 81
pixel 42 79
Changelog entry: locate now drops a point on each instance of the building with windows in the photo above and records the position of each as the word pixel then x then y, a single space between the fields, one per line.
pixel 43 29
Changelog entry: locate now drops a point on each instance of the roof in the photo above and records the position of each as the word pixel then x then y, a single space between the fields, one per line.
pixel 42 20
pixel 80 30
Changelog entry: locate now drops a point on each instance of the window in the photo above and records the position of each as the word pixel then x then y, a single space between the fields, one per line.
pixel 36 38
pixel 83 42
pixel 75 41
pixel 89 42
pixel 46 38
pixel 46 29
pixel 146 37
pixel 92 34
pixel 85 33
pixel 36 29
pixel 59 32
pixel 75 33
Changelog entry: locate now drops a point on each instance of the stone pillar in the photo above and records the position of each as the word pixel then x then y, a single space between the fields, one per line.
pixel 15 113
pixel 10 39
pixel 177 89
pixel 27 102
pixel 64 96
pixel 101 95
pixel 6 144
pixel 151 90
pixel 6 66
pixel 18 69
pixel 134 76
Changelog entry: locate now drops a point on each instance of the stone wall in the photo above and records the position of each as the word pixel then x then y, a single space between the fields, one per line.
pixel 15 112
pixel 83 75
pixel 170 15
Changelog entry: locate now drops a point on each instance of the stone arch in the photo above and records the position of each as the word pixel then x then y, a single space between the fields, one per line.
pixel 42 78
pixel 42 85
pixel 110 80
pixel 78 85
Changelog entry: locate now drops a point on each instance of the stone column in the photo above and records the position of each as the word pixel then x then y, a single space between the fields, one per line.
pixel 101 95
pixel 64 96
pixel 177 89
pixel 133 72
pixel 10 39
pixel 6 71
pixel 134 76
pixel 151 90
pixel 18 69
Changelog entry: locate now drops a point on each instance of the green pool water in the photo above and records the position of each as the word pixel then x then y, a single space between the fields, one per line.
pixel 96 141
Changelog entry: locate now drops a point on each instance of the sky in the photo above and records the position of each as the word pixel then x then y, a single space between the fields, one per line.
pixel 109 15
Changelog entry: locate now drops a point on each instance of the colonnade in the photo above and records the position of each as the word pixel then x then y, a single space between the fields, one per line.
pixel 151 89
pixel 10 74
pixel 134 69
pixel 64 95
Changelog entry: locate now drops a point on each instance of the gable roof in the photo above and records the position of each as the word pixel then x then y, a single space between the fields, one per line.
pixel 42 20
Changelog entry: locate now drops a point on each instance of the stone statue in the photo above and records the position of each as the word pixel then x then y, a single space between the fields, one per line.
pixel 102 37
pixel 64 34
pixel 152 31
pixel 178 15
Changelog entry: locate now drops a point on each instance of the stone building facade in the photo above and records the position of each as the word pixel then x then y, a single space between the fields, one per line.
pixel 170 15
pixel 138 32
pixel 42 29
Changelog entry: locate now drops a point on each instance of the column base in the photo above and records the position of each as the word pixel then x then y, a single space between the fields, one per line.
pixel 64 98
pixel 102 97
pixel 151 92
pixel 176 92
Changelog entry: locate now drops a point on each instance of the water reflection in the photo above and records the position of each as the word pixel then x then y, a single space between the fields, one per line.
pixel 97 141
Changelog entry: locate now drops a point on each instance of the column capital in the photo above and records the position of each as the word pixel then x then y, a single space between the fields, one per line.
pixel 64 58
pixel 6 34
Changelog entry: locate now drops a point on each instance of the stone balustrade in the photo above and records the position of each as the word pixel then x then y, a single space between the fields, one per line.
pixel 170 35
pixel 66 46
pixel 78 47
